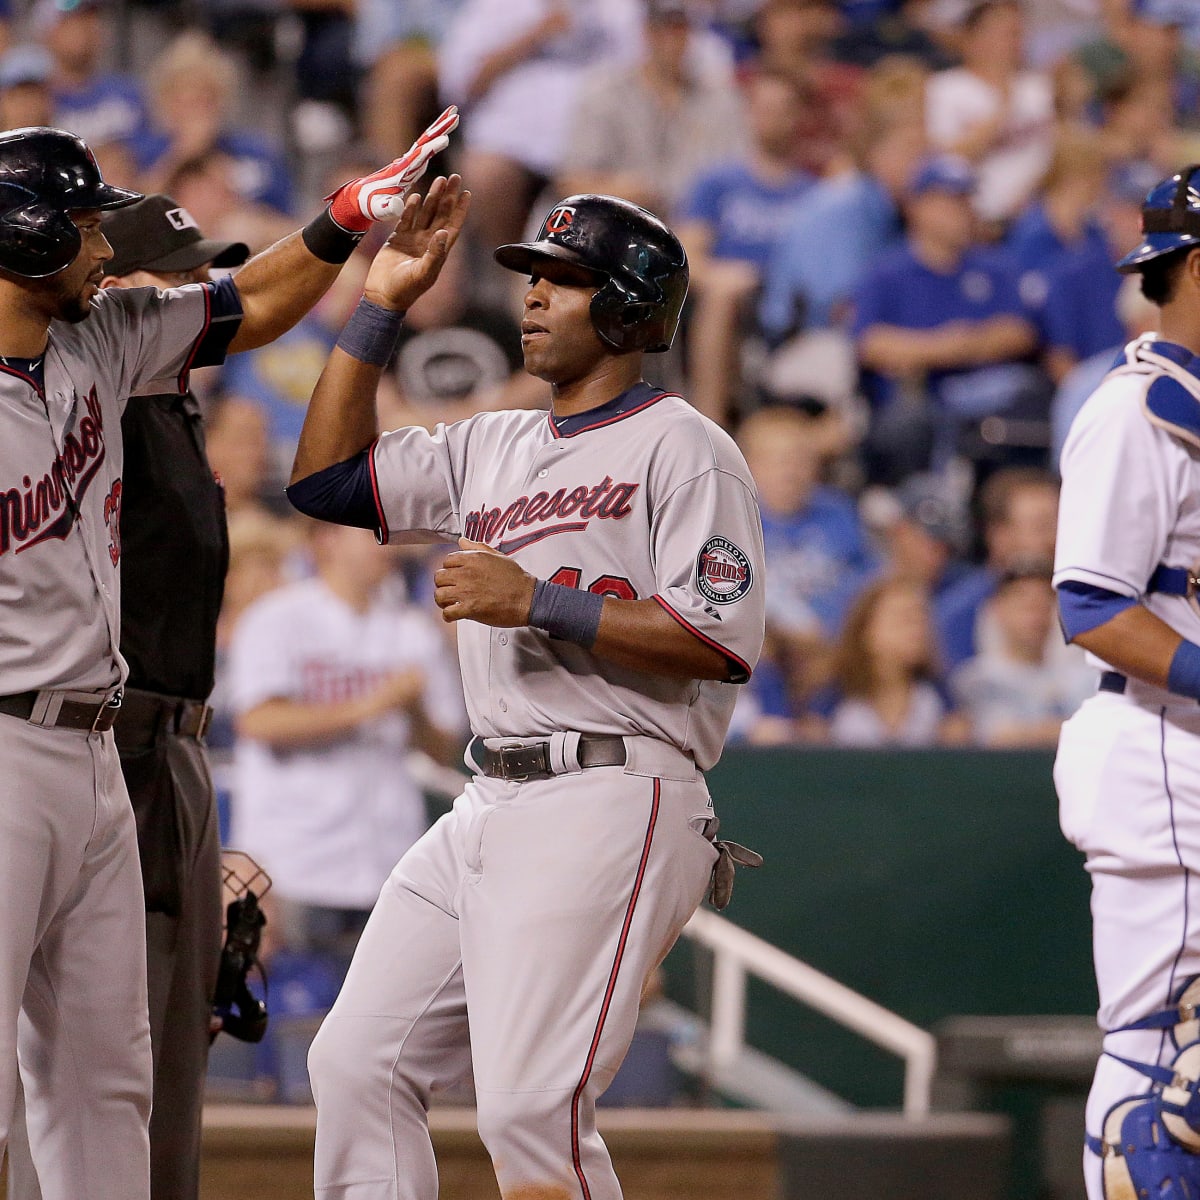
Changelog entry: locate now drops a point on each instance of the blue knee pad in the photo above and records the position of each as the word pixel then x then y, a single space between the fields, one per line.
pixel 1150 1144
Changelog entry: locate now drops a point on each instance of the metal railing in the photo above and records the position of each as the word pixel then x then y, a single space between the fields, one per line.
pixel 738 953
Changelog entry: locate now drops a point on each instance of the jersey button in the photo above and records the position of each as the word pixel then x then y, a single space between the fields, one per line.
pixel 543 473
pixel 503 706
pixel 504 639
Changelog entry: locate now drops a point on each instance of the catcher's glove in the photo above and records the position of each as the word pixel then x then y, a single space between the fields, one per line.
pixel 237 1010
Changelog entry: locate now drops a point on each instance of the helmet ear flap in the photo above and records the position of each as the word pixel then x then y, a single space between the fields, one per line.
pixel 623 323
pixel 37 240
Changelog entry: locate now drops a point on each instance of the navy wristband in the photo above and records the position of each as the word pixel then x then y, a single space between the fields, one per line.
pixel 1184 676
pixel 327 240
pixel 567 613
pixel 371 333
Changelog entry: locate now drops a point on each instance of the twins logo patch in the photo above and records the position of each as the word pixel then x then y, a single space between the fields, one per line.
pixel 561 219
pixel 723 572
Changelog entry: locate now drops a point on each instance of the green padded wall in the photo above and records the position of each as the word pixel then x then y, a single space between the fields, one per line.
pixel 935 882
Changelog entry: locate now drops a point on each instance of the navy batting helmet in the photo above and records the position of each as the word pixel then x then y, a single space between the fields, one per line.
pixel 1170 220
pixel 639 264
pixel 46 174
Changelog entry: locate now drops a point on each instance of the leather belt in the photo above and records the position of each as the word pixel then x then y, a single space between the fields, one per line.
pixel 145 715
pixel 1173 581
pixel 532 759
pixel 55 709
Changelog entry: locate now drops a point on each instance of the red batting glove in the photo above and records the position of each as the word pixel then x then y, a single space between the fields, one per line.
pixel 356 205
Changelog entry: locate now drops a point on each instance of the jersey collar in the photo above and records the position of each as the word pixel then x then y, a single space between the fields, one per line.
pixel 31 370
pixel 637 398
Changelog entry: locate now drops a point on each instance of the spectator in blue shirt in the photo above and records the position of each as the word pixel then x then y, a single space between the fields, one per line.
pixel 815 542
pixel 729 223
pixel 1063 221
pixel 25 97
pixel 939 320
pixel 194 85
pixel 99 106
pixel 1080 318
pixel 1019 509
pixel 836 231
pixel 738 208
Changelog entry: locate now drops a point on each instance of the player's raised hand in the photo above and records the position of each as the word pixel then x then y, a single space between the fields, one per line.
pixel 408 265
pixel 380 196
pixel 478 583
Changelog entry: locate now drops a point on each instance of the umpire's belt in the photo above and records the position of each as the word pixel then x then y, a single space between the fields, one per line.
pixel 539 758
pixel 146 715
pixel 53 708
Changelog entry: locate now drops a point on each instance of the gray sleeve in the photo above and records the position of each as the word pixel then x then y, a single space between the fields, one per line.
pixel 706 538
pixel 167 333
pixel 417 480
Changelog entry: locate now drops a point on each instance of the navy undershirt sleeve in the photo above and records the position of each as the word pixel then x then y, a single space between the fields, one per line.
pixel 1083 607
pixel 225 316
pixel 341 494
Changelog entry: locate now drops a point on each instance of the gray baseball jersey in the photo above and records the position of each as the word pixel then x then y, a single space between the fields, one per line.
pixel 74 963
pixel 60 475
pixel 642 497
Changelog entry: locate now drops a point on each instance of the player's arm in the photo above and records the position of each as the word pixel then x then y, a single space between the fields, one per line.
pixel 1124 633
pixel 278 286
pixel 341 421
pixel 478 583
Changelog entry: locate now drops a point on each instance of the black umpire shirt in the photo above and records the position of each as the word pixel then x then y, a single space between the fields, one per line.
pixel 174 548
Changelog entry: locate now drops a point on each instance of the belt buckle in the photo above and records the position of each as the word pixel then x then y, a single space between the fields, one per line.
pixel 518 763
pixel 108 709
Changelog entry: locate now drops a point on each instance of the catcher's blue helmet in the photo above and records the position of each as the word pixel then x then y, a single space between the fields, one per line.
pixel 1170 220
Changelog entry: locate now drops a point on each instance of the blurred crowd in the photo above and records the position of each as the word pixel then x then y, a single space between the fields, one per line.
pixel 901 217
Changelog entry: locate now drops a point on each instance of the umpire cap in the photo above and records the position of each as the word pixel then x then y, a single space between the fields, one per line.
pixel 1170 220
pixel 158 234
pixel 45 175
pixel 640 267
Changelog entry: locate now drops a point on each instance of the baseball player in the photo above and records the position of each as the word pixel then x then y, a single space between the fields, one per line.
pixel 608 590
pixel 1128 765
pixel 73 1006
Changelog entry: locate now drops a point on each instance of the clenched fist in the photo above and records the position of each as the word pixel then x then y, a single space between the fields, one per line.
pixel 477 583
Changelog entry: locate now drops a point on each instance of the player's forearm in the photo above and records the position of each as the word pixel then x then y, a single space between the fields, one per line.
pixel 1134 642
pixel 341 419
pixel 640 635
pixel 277 287
pixel 288 724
